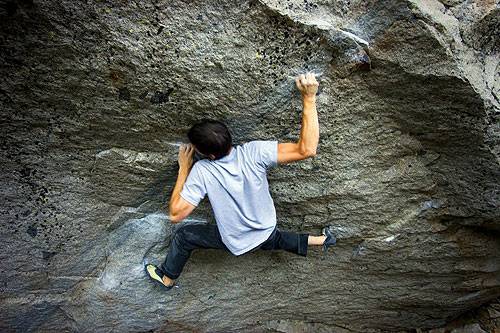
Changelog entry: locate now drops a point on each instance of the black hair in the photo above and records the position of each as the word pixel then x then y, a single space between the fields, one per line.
pixel 211 137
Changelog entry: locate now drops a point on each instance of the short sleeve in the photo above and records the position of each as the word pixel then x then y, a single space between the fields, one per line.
pixel 194 189
pixel 265 153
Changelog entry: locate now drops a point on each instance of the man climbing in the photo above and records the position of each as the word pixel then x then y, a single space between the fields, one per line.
pixel 235 179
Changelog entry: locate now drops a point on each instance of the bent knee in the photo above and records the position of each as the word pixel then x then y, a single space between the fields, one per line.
pixel 185 232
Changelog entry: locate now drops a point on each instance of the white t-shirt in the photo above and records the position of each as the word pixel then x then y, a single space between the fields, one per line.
pixel 238 191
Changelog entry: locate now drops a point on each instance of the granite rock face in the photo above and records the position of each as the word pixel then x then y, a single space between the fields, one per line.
pixel 95 97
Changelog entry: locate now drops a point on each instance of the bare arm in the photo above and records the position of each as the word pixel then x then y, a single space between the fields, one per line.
pixel 309 132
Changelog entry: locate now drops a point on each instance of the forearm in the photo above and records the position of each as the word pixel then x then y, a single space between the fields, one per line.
pixel 181 179
pixel 309 132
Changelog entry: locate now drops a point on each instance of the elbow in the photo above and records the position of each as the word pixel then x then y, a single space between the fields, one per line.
pixel 309 153
pixel 306 151
pixel 312 153
pixel 173 213
pixel 174 218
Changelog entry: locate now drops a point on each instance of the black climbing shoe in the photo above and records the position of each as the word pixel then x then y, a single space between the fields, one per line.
pixel 156 274
pixel 330 239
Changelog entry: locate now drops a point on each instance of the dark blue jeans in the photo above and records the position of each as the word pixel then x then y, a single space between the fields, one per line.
pixel 206 236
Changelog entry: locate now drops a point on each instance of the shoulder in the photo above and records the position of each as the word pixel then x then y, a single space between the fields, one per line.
pixel 264 152
pixel 250 147
pixel 259 144
pixel 199 168
pixel 201 165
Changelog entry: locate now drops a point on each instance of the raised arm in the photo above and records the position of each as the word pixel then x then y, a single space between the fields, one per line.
pixel 309 132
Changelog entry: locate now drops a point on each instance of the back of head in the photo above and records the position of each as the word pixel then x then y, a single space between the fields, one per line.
pixel 211 137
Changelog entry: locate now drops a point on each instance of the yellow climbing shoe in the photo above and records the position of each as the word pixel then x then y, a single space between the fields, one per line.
pixel 156 274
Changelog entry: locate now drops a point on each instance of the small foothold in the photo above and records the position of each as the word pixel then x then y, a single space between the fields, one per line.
pixel 160 97
pixel 48 254
pixel 124 94
pixel 32 230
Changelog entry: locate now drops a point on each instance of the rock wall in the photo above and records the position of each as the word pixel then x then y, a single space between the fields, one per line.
pixel 96 95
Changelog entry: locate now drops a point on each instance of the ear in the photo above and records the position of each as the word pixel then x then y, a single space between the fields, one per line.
pixel 212 156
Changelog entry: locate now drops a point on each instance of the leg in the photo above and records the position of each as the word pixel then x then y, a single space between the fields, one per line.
pixel 316 240
pixel 186 239
pixel 288 241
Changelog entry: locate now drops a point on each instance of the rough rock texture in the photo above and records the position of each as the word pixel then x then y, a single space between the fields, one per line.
pixel 96 95
pixel 483 319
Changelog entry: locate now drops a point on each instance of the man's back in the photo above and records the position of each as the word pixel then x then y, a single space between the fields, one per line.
pixel 238 191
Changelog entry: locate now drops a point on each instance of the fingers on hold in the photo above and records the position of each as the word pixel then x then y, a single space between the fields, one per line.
pixel 303 80
pixel 297 82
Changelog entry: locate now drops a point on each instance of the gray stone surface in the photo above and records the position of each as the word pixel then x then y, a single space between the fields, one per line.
pixel 95 97
pixel 483 319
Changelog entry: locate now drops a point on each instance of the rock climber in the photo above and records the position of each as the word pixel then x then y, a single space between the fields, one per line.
pixel 235 180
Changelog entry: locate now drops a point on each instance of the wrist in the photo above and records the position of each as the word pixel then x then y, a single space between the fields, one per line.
pixel 184 170
pixel 309 98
